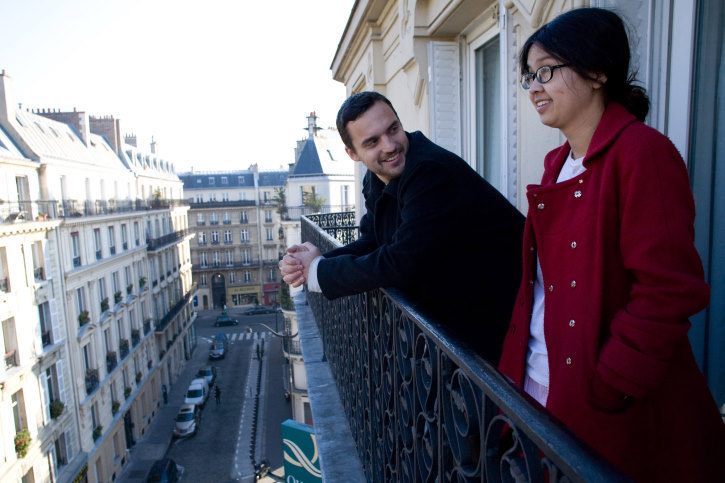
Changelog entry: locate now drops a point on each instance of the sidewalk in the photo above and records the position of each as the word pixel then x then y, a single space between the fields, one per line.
pixel 154 444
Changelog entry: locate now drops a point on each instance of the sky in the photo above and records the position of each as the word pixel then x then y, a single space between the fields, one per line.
pixel 219 84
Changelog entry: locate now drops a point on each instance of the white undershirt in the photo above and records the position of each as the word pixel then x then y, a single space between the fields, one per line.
pixel 537 359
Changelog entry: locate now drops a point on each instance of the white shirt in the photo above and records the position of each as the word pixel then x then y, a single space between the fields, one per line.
pixel 537 356
pixel 312 284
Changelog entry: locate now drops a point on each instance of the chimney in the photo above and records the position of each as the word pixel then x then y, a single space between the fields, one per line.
pixel 153 146
pixel 7 101
pixel 78 119
pixel 130 139
pixel 312 124
pixel 109 128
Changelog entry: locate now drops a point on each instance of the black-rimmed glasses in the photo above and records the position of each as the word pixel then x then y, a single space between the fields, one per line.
pixel 543 74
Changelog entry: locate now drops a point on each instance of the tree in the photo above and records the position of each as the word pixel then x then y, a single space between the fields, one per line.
pixel 280 197
pixel 314 202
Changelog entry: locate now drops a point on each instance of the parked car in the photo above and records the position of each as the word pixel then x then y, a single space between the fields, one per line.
pixel 163 471
pixel 218 348
pixel 187 420
pixel 259 309
pixel 197 393
pixel 225 320
pixel 208 373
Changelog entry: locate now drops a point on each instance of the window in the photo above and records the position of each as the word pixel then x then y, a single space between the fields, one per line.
pixel 231 277
pixel 214 219
pixel 245 236
pixel 111 240
pixel 61 450
pixel 97 243
pixel 224 180
pixel 230 258
pixel 76 248
pixel 81 299
pixel 215 259
pixel 345 196
pixel 227 218
pixel 242 196
pixel 214 237
pixel 227 236
pixel 115 282
pixel 202 238
pixel 270 276
pixel 202 279
pixel 269 235
pixel 203 259
pixel 199 198
pixel 247 276
pixel 211 181
pixel 154 277
pixel 135 233
pixel 127 276
pixel 243 217
pixel 225 196
pixel 9 343
pixel 245 256
pixel 102 289
pixel 212 196
pixel 265 196
pixel 200 219
pixel 46 325
pixel 488 121
pixel 18 404
pixel 240 180
pixel 268 216
pixel 307 193
pixel 4 281
pixel 124 237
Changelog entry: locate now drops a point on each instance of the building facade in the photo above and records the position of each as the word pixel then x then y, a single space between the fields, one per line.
pixel 104 233
pixel 450 68
pixel 236 221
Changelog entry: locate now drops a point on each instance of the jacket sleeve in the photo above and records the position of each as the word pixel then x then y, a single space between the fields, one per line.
pixel 656 213
pixel 427 217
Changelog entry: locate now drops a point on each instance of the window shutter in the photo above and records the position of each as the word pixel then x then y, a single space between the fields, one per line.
pixel 54 323
pixel 61 381
pixel 445 95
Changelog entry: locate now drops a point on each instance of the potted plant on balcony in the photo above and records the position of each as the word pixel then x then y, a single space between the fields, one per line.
pixel 83 318
pixel 117 297
pixel 142 282
pixel 129 289
pixel 22 442
pixel 138 377
pixel 56 408
pixel 104 304
pixel 114 406
pixel 97 431
pixel 127 392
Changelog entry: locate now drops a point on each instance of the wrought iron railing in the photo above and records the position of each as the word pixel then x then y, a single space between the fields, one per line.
pixel 135 337
pixel 4 285
pixel 41 210
pixel 174 311
pixel 162 241
pixel 296 212
pixel 111 361
pixel 123 348
pixel 292 347
pixel 423 407
pixel 91 380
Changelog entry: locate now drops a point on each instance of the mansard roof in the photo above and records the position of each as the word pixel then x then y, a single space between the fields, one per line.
pixel 8 148
pixel 323 155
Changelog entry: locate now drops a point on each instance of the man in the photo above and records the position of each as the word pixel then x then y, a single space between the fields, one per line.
pixel 434 229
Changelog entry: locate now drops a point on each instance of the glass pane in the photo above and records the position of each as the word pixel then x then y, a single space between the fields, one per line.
pixel 488 112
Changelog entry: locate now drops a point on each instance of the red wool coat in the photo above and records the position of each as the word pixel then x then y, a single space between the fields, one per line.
pixel 621 277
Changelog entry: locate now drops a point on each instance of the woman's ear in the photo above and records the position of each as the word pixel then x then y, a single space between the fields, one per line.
pixel 598 80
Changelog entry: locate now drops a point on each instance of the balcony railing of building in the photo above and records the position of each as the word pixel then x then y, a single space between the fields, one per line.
pixel 39 210
pixel 135 337
pixel 47 338
pixel 174 311
pixel 423 407
pixel 39 274
pixel 154 244
pixel 220 204
pixel 92 380
pixel 4 285
pixel 292 347
pixel 123 348
pixel 111 361
pixel 11 359
pixel 295 212
pixel 219 265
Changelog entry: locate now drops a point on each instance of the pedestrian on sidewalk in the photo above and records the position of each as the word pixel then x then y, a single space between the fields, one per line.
pixel 218 395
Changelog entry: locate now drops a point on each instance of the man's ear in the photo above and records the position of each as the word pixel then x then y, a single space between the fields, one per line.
pixel 352 154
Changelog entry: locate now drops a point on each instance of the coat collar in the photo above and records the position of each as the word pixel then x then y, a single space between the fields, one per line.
pixel 613 122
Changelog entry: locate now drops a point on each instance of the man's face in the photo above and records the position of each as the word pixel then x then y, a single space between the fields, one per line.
pixel 379 142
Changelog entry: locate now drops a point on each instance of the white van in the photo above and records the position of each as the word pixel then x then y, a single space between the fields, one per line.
pixel 197 393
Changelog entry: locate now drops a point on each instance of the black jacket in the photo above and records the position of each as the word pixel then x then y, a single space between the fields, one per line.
pixel 445 237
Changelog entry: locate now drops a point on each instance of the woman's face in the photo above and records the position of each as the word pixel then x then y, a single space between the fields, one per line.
pixel 568 101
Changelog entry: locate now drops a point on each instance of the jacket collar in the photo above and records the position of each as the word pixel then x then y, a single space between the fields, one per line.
pixel 614 120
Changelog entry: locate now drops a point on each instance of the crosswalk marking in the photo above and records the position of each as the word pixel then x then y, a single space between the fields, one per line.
pixel 233 337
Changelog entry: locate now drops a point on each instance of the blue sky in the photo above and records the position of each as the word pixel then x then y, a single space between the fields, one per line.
pixel 220 84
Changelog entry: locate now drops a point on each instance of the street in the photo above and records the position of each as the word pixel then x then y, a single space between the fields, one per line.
pixel 220 451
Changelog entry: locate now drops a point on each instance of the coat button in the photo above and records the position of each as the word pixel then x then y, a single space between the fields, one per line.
pixel 577 194
pixel 572 323
pixel 541 206
pixel 573 283
pixel 573 244
pixel 551 288
pixel 581 181
pixel 531 248
pixel 568 361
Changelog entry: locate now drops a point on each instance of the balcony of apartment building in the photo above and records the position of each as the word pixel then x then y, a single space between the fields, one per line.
pixel 42 210
pixel 196 205
pixel 174 310
pixel 219 264
pixel 155 244
pixel 415 404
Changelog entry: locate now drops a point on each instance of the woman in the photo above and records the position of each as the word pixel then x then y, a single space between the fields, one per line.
pixel 611 275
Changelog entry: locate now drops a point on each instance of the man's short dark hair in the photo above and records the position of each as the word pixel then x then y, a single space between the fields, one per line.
pixel 354 107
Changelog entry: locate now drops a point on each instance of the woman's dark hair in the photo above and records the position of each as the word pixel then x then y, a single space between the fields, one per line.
pixel 354 107
pixel 591 41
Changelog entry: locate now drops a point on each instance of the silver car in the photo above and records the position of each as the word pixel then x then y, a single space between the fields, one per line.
pixel 187 421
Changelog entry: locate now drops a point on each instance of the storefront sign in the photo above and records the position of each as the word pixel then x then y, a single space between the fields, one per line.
pixel 299 447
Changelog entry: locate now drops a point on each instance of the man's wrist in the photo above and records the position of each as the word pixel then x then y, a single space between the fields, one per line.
pixel 313 284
